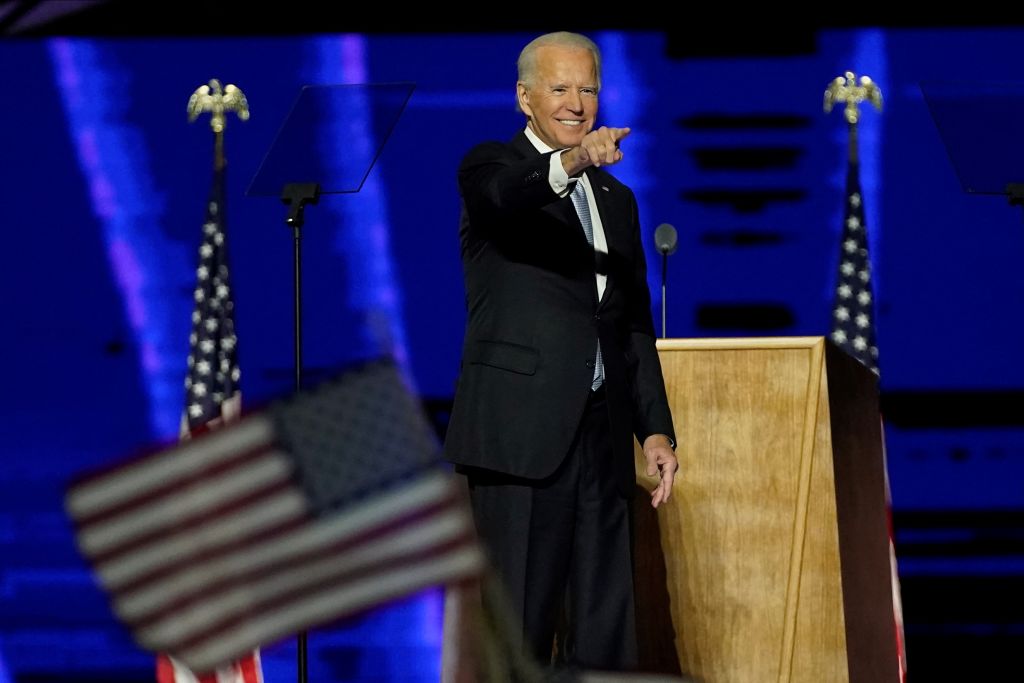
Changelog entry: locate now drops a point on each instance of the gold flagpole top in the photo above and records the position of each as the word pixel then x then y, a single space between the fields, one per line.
pixel 211 98
pixel 851 90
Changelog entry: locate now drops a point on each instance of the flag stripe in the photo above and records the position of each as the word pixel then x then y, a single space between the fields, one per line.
pixel 291 541
pixel 323 606
pixel 245 524
pixel 224 552
pixel 251 668
pixel 180 627
pixel 274 495
pixel 171 553
pixel 155 471
pixel 267 560
pixel 187 507
pixel 188 526
pixel 173 488
pixel 179 579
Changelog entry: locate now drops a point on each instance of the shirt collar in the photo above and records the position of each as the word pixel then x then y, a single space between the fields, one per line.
pixel 541 146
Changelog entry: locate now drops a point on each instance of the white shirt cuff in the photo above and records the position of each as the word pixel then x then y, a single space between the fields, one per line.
pixel 557 177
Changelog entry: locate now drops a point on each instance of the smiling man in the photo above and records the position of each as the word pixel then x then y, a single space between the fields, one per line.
pixel 559 368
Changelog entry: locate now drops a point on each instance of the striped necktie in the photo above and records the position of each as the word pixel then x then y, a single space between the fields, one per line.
pixel 579 200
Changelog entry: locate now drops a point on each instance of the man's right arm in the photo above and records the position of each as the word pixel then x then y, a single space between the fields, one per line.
pixel 490 178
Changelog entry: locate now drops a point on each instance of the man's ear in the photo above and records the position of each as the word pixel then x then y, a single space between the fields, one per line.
pixel 523 96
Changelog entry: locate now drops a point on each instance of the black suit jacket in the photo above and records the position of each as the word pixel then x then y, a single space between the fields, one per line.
pixel 534 319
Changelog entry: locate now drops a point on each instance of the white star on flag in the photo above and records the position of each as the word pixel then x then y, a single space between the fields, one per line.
pixel 852 319
pixel 210 401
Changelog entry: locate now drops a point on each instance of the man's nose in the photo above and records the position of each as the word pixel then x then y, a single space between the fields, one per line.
pixel 576 102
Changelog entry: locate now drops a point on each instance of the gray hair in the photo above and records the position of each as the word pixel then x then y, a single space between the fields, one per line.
pixel 527 64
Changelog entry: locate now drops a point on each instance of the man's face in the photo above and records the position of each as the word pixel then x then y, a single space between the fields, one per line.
pixel 562 100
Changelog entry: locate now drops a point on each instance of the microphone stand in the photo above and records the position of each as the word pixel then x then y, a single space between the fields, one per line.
pixel 664 289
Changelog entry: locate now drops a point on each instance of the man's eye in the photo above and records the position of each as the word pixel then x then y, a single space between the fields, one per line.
pixel 589 91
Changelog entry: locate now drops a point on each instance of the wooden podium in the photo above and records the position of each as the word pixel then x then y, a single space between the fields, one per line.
pixel 773 549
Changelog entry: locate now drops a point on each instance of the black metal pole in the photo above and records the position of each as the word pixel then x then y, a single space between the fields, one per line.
pixel 297 231
pixel 296 196
pixel 664 278
pixel 301 654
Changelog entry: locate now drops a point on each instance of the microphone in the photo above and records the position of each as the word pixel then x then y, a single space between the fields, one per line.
pixel 666 239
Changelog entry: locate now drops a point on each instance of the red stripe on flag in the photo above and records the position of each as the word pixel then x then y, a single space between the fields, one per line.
pixel 251 669
pixel 165 669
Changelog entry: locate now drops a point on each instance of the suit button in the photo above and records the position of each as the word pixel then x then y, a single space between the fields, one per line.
pixel 597 317
pixel 590 363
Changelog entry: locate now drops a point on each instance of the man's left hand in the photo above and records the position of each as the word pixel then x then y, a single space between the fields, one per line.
pixel 660 458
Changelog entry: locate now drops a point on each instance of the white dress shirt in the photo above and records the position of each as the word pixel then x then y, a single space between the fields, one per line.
pixel 560 183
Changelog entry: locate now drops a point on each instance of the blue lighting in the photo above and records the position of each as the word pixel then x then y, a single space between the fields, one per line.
pixel 148 269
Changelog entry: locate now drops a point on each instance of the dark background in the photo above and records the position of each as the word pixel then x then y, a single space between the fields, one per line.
pixel 103 183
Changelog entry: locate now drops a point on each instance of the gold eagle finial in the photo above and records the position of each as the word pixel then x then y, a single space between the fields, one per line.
pixel 213 99
pixel 851 90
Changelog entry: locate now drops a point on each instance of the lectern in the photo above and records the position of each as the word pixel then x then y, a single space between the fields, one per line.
pixel 771 560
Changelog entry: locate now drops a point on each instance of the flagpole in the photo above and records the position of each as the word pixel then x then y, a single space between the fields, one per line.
pixel 853 327
pixel 213 397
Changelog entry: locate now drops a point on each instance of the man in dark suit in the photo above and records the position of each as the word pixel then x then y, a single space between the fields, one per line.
pixel 559 368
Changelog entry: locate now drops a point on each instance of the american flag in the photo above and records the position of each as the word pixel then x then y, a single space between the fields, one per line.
pixel 321 506
pixel 212 391
pixel 853 319
pixel 853 330
pixel 212 382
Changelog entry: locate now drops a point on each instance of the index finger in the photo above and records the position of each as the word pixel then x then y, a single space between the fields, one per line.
pixel 619 133
pixel 668 476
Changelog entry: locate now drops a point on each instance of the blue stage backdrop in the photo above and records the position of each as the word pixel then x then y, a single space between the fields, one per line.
pixel 104 183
